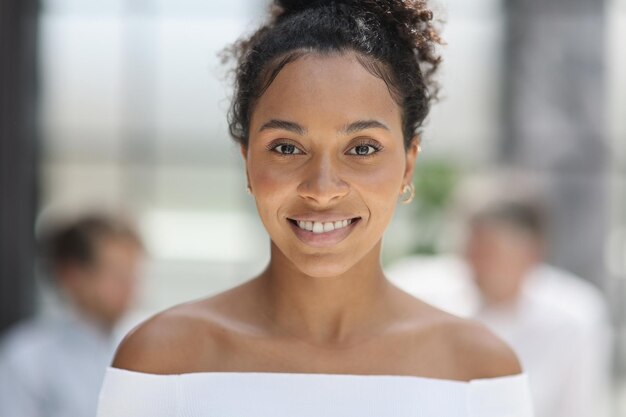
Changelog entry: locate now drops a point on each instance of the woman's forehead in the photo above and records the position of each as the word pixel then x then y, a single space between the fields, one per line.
pixel 332 87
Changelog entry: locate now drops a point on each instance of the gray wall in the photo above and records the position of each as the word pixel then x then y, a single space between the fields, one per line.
pixel 18 157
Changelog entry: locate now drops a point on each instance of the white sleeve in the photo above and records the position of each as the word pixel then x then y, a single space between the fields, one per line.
pixel 134 394
pixel 506 396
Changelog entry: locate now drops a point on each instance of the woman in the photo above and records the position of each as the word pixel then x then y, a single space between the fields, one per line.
pixel 329 96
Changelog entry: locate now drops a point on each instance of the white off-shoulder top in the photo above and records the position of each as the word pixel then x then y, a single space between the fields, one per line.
pixel 273 394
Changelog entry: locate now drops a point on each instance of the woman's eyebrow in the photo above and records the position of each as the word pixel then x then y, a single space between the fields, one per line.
pixel 283 124
pixel 362 125
pixel 347 129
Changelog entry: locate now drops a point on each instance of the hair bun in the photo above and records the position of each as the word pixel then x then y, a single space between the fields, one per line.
pixel 291 6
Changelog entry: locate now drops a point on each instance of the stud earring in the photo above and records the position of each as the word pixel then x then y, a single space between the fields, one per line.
pixel 408 193
pixel 248 189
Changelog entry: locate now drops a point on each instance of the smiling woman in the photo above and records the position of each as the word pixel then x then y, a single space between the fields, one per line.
pixel 326 145
pixel 329 97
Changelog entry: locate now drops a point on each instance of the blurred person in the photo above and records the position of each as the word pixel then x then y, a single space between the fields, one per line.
pixel 557 322
pixel 328 99
pixel 52 365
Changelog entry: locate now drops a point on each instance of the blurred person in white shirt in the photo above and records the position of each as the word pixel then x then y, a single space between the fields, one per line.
pixel 52 365
pixel 558 323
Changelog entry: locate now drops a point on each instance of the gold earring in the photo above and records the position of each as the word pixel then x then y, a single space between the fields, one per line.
pixel 410 189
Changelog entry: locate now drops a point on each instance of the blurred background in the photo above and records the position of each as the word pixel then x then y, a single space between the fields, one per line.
pixel 119 106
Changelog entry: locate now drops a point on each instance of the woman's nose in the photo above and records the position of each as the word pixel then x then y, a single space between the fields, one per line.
pixel 322 182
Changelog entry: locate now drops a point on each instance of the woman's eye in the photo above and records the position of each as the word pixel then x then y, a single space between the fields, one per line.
pixel 286 149
pixel 363 150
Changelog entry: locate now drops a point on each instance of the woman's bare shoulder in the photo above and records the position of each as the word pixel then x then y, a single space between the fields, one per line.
pixel 170 342
pixel 190 337
pixel 479 352
pixel 458 348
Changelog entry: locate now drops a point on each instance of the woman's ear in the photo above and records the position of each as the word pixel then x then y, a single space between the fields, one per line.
pixel 412 152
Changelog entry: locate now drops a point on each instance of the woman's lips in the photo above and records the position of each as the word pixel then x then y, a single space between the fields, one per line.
pixel 324 239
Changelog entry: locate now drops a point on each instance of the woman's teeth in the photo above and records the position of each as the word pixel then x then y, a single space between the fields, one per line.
pixel 319 227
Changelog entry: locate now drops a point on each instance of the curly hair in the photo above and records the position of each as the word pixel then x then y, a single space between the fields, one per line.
pixel 394 40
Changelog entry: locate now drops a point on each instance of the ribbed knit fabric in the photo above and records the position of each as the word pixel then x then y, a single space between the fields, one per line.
pixel 267 394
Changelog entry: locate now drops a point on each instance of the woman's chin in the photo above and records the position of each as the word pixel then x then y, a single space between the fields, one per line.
pixel 322 266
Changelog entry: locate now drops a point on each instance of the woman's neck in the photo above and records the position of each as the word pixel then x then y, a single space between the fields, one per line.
pixel 330 310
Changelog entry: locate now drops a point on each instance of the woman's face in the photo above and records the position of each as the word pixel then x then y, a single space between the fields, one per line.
pixel 326 149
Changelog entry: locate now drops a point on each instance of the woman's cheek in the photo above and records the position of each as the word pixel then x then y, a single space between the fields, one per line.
pixel 382 180
pixel 264 182
pixel 271 188
pixel 381 190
